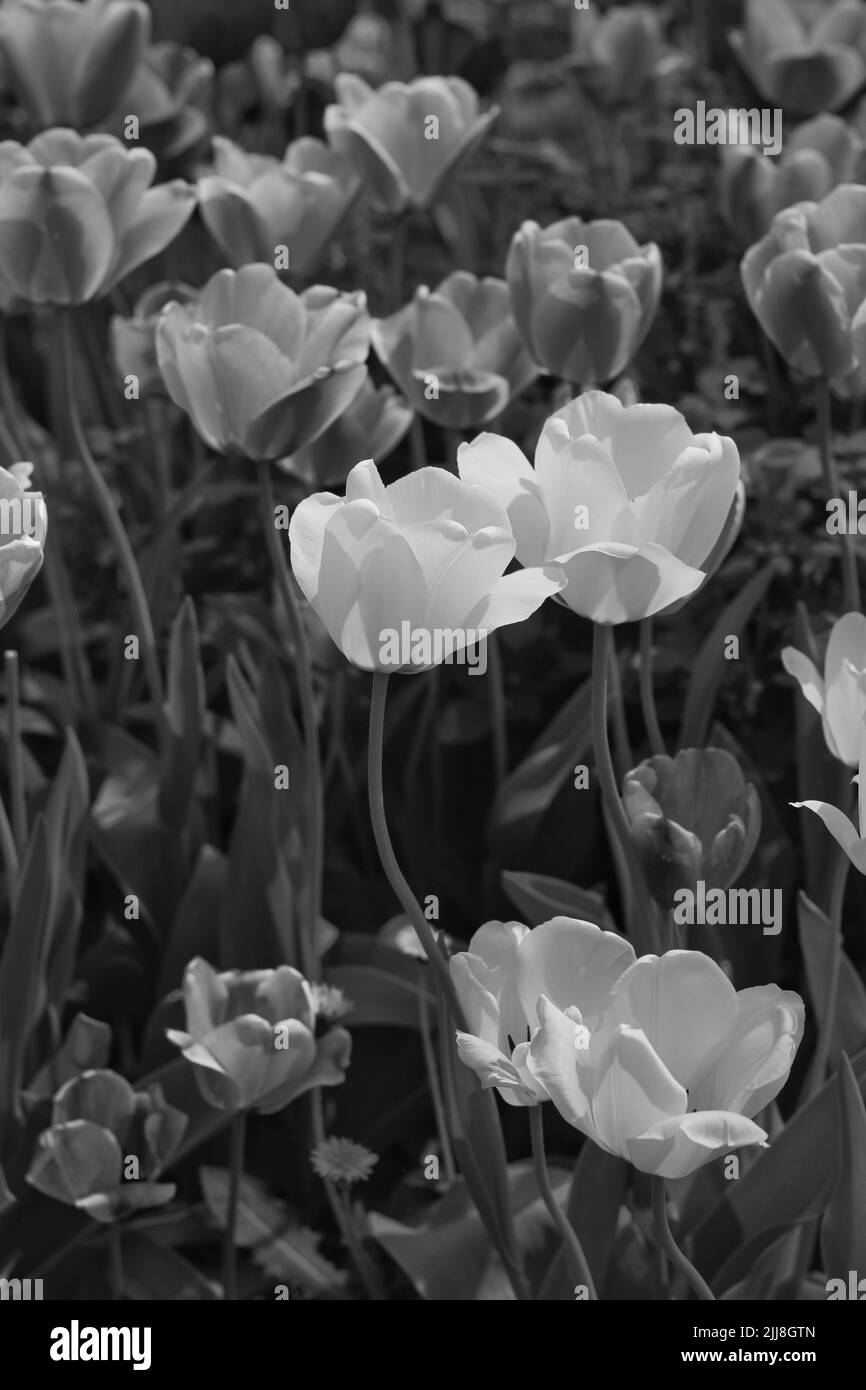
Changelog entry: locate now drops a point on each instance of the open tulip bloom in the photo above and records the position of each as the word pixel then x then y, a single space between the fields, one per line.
pixel 625 499
pixel 803 67
pixel 99 191
pixel 456 353
pixel 425 556
pixel 260 370
pixel 406 139
pixel 839 695
pixel 251 1037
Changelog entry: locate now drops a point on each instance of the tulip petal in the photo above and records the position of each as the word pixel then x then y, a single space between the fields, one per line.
pixel 493 1068
pixel 686 510
pixel 495 464
pixel 75 1160
pixel 57 236
pixel 329 1066
pixel 572 963
pixel 756 1060
pixel 679 1146
pixel 612 583
pixel 515 598
pixel 845 687
pixel 231 218
pixel 840 827
pixel 633 1090
pixel 205 997
pixel 555 1062
pixel 806 673
pixel 477 991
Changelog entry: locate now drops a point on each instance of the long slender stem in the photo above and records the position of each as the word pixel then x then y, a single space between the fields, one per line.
pixel 309 721
pixel 113 524
pixel 498 709
pixel 825 1036
pixel 236 1168
pixel 622 746
pixel 647 695
pixel 355 1245
pixel 574 1250
pixel 433 1080
pixel 393 872
pixel 669 1245
pixel 9 855
pixel 16 752
pixel 601 643
pixel 850 580
pixel 115 1249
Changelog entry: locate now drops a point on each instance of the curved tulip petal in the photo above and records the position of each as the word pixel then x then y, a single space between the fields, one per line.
pixel 805 672
pixel 573 964
pixel 845 687
pixel 57 235
pixel 679 1146
pixel 756 1061
pixel 840 827
pixel 612 583
pixel 494 1069
pixel 75 1160
pixel 498 466
pixel 633 1090
pixel 555 1061
pixel 515 598
pixel 232 220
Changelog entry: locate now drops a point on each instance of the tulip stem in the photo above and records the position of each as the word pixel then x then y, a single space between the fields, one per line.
pixel 236 1168
pixel 622 746
pixel 309 722
pixel 647 695
pixel 601 648
pixel 113 523
pixel 669 1245
pixel 382 836
pixel 433 1079
pixel 580 1270
pixel 115 1251
pixel 498 710
pixel 16 752
pixel 850 579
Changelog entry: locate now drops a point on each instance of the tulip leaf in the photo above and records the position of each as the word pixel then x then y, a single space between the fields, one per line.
pixel 7 1197
pixel 789 1183
pixel 266 1227
pixel 194 931
pixel 383 984
pixel 155 1273
pixel 539 897
pixel 184 713
pixel 765 1270
pixel 710 664
pixel 816 943
pixel 86 1047
pixel 843 1228
pixel 67 827
pixel 599 1187
pixel 22 967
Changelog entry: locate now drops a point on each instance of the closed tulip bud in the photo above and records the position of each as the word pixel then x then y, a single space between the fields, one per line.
pixel 262 371
pixel 253 204
pixel 456 354
pixel 583 295
pixel 672 1071
pixel 377 419
pixel 133 340
pixel 500 979
pixel 23 524
pixel 98 1123
pixel 819 155
pixel 839 695
pixel 625 499
pixel 97 190
pixel 804 67
pixel 251 1038
pixel 425 557
pixel 71 63
pixel 407 140
pixel 691 817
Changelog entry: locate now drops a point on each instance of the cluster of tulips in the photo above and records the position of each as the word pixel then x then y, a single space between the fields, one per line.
pixel 644 1047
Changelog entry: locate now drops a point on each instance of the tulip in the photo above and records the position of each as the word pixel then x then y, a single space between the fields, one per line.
pixel 691 817
pixel 251 1038
pixel 849 836
pixel 171 94
pixel 803 67
pixel 619 54
pixel 456 354
pixel 426 555
pixel 806 279
pixel 253 204
pixel 69 63
pixel 260 370
pixel 23 522
pixel 97 190
pixel 625 499
pixel 675 1067
pixel 376 420
pixel 97 1122
pixel 819 155
pixel 839 695
pixel 500 979
pixel 406 140
pixel 133 340
pixel 584 295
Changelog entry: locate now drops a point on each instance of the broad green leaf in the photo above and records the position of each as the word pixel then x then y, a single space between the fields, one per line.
pixel 184 713
pixel 843 1229
pixel 816 944
pixel 22 970
pixel 539 897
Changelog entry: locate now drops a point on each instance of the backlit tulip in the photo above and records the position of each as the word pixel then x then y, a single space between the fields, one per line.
pixel 70 63
pixel 98 191
pixel 691 817
pixel 376 420
pixel 406 139
pixel 806 279
pixel 456 353
pixel 839 695
pixel 253 204
pixel 405 577
pixel 499 980
pixel 583 295
pixel 625 498
pixel 23 523
pixel 133 339
pixel 251 1037
pixel 674 1069
pixel 801 66
pixel 820 154
pixel 97 1121
pixel 850 836
pixel 260 370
